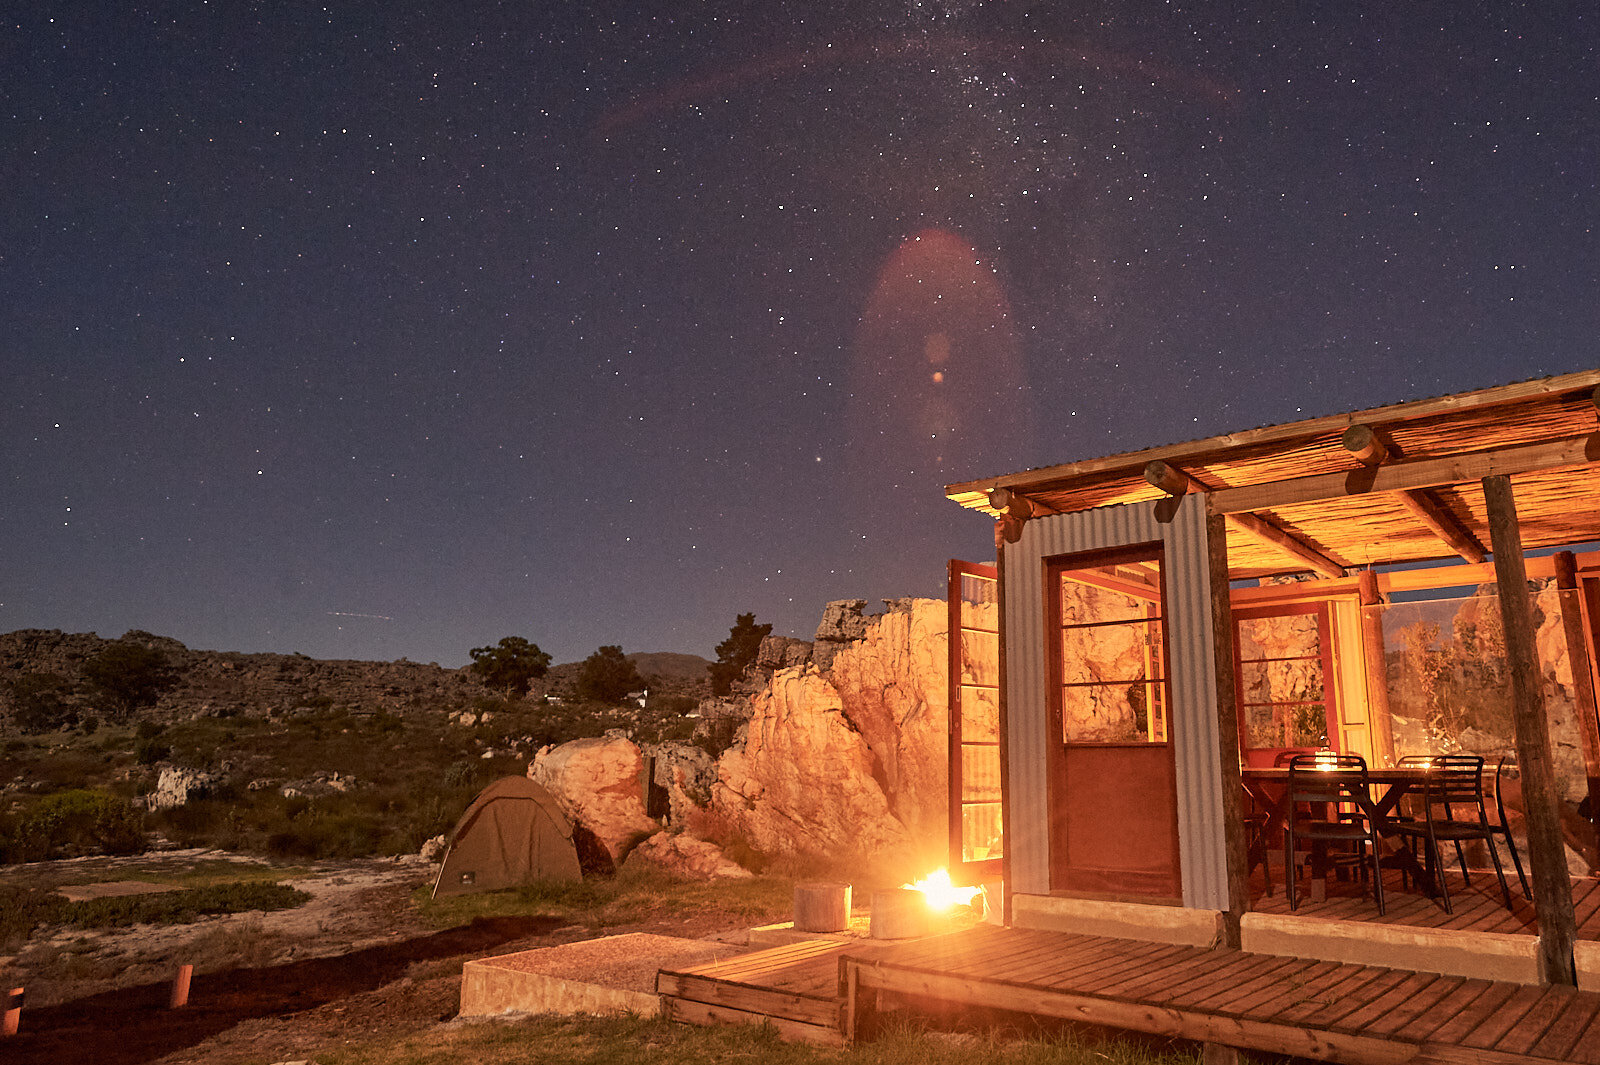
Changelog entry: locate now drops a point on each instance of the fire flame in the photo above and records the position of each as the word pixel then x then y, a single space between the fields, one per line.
pixel 940 893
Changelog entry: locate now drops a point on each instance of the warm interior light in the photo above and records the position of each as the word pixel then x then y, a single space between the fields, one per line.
pixel 940 893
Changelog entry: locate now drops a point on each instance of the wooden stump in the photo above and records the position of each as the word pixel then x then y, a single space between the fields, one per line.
pixel 899 914
pixel 13 1013
pixel 821 907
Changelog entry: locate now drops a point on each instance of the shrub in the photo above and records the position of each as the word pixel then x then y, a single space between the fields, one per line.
pixel 76 822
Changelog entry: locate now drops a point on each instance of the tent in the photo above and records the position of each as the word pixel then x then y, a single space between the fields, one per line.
pixel 512 834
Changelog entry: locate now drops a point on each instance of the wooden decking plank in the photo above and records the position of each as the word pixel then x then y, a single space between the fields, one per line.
pixel 1255 987
pixel 1378 1009
pixel 1587 1048
pixel 703 1014
pixel 1457 1013
pixel 1351 979
pixel 1111 968
pixel 1039 962
pixel 1537 1021
pixel 1586 903
pixel 1202 978
pixel 1161 985
pixel 1019 948
pixel 1492 1027
pixel 802 1008
pixel 1113 955
pixel 1297 987
pixel 1155 963
pixel 762 960
pixel 1419 1004
pixel 1116 1013
pixel 1562 1036
pixel 1331 1014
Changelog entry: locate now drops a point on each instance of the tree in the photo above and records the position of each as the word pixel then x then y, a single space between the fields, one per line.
pixel 607 676
pixel 129 675
pixel 39 702
pixel 511 664
pixel 735 654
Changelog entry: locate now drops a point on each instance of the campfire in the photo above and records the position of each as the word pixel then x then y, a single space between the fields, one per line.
pixel 940 894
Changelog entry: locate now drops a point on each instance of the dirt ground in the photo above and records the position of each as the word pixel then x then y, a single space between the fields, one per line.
pixel 352 964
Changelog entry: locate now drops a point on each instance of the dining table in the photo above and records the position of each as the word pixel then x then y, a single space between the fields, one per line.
pixel 1267 787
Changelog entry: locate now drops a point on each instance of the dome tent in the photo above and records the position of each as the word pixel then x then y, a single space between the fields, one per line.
pixel 512 834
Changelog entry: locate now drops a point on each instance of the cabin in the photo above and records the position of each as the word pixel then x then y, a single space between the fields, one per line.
pixel 1158 623
pixel 1158 632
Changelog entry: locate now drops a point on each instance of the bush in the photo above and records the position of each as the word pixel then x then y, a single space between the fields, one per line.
pixel 78 822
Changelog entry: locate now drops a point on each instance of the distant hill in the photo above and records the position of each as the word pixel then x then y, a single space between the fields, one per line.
pixel 668 671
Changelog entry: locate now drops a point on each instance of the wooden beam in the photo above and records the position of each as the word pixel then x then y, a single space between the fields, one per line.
pixel 1380 720
pixel 1262 529
pixel 1170 479
pixel 1366 445
pixel 1438 518
pixel 1418 473
pixel 1547 860
pixel 1234 842
pixel 1582 679
pixel 1176 482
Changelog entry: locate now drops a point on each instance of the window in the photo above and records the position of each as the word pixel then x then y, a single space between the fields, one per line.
pixel 1283 663
pixel 1111 644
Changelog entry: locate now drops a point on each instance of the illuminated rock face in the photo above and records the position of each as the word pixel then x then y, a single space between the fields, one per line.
pixel 596 782
pixel 853 760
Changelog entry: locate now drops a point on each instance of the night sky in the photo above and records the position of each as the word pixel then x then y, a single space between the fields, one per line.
pixel 373 331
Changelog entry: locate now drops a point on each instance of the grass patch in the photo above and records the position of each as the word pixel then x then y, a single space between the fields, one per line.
pixel 623 1040
pixel 630 897
pixel 203 872
pixel 24 909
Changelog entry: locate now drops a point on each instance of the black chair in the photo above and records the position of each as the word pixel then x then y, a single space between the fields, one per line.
pixel 1508 768
pixel 1453 781
pixel 1318 782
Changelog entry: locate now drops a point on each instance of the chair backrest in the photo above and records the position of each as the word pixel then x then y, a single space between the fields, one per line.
pixel 1454 780
pixel 1327 778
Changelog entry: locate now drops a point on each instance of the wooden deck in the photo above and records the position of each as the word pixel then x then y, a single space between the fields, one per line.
pixel 828 992
pixel 1479 907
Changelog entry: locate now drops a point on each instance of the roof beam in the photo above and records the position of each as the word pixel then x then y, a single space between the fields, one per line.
pixel 1014 509
pixel 1372 448
pixel 1175 482
pixel 1418 473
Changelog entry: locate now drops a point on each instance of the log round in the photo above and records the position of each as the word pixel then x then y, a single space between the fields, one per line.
pixel 821 907
pixel 899 914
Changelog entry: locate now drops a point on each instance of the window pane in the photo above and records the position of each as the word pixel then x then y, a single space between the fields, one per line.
pixel 1105 713
pixel 980 715
pixel 1281 682
pixel 980 832
pixel 1124 652
pixel 1280 636
pixel 1089 604
pixel 980 773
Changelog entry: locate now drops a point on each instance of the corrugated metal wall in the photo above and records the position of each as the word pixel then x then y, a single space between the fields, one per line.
pixel 1193 681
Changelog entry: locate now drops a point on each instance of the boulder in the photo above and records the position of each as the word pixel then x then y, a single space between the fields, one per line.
pixel 686 857
pixel 433 849
pixel 682 774
pixel 177 785
pixel 598 783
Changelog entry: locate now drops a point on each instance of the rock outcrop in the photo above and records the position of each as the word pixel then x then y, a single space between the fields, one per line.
pixel 597 783
pixel 177 785
pixel 686 857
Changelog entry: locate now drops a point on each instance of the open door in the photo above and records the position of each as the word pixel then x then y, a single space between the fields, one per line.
pixel 977 838
pixel 1113 794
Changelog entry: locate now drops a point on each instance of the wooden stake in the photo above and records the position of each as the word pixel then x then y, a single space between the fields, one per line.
pixel 1552 886
pixel 1582 679
pixel 180 987
pixel 13 1018
pixel 1380 720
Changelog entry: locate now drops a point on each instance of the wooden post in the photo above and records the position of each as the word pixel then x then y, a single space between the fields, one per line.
pixel 1235 845
pixel 180 987
pixel 1582 679
pixel 1380 720
pixel 1552 886
pixel 13 1018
